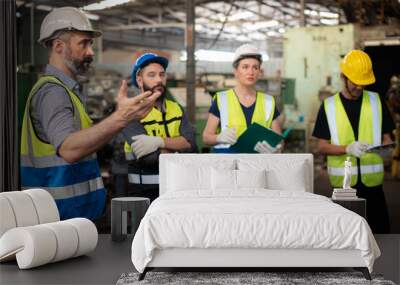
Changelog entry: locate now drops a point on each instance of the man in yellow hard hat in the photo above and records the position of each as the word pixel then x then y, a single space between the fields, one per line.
pixel 350 122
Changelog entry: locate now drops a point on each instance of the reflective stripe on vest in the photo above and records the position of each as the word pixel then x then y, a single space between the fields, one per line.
pixel 63 192
pixel 159 124
pixel 128 152
pixel 143 179
pixel 370 130
pixel 232 116
pixel 77 188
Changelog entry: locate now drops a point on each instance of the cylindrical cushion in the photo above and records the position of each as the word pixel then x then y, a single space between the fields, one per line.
pixel 87 234
pixel 7 218
pixel 67 239
pixel 33 246
pixel 23 208
pixel 40 244
pixel 45 205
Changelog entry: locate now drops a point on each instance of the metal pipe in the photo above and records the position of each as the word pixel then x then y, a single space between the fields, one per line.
pixel 99 53
pixel 9 143
pixel 190 62
pixel 302 16
pixel 144 26
pixel 32 33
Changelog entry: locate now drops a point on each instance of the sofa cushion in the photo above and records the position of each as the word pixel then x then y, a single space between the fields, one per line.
pixel 7 217
pixel 34 244
pixel 45 205
pixel 40 244
pixel 23 208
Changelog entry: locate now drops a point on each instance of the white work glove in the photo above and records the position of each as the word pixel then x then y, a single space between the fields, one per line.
pixel 227 136
pixel 357 148
pixel 264 147
pixel 143 145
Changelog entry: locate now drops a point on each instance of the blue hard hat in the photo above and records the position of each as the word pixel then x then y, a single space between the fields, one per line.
pixel 144 60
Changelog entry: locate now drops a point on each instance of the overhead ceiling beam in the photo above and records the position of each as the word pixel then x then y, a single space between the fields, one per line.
pixel 252 11
pixel 239 22
pixel 143 18
pixel 279 7
pixel 174 14
pixel 160 41
pixel 145 26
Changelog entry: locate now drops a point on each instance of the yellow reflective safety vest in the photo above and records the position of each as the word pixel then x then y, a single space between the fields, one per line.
pixel 369 131
pixel 78 187
pixel 232 116
pixel 156 123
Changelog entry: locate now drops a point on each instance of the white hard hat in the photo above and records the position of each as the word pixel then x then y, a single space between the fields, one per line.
pixel 65 18
pixel 246 50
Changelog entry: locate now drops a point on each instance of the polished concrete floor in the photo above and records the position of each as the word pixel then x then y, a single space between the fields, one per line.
pixel 102 266
pixel 110 259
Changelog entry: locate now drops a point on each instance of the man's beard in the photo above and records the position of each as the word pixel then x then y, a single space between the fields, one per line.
pixel 78 66
pixel 355 92
pixel 159 87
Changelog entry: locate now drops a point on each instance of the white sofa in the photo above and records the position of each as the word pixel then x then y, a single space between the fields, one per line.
pixel 188 188
pixel 31 231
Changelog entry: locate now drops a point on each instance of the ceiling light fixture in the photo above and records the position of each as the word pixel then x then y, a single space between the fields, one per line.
pixel 330 22
pixel 260 25
pixel 215 56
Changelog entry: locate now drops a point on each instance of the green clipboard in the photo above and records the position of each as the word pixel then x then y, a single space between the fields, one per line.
pixel 255 133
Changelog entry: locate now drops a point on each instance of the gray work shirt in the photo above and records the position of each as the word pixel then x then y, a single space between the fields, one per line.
pixel 52 110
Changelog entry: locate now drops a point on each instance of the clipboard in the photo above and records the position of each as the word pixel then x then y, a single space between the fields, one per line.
pixel 382 147
pixel 255 133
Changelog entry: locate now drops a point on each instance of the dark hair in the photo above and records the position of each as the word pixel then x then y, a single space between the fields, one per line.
pixel 255 56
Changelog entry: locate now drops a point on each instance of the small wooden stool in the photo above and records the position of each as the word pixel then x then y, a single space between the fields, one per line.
pixel 136 206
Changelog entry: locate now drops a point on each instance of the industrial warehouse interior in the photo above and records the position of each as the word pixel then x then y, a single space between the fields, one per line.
pixel 141 139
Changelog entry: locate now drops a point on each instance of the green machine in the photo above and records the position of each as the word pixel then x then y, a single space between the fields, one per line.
pixel 25 82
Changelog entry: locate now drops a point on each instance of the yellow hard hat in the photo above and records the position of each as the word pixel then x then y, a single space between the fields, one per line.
pixel 357 66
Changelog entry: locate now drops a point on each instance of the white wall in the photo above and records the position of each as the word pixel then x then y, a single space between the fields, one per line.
pixel 311 54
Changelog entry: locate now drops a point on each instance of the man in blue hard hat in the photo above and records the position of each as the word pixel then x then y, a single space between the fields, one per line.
pixel 165 129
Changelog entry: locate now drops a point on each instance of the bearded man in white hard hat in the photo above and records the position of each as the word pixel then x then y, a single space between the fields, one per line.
pixel 59 142
pixel 233 111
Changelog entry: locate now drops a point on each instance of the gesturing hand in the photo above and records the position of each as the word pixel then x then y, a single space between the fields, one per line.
pixel 137 107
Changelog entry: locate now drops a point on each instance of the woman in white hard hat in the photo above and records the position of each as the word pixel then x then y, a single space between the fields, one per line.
pixel 233 111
